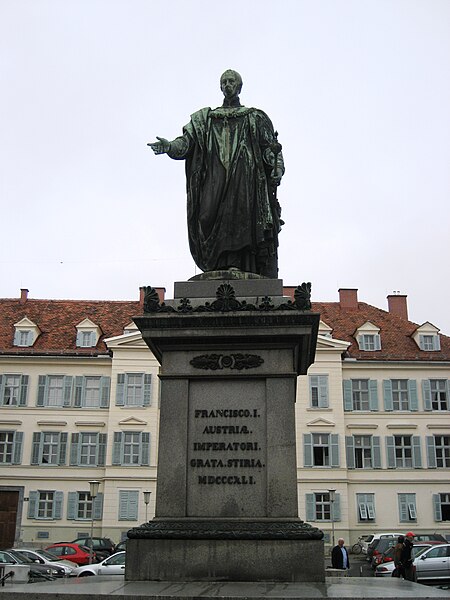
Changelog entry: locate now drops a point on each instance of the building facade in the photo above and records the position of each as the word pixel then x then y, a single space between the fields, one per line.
pixel 79 399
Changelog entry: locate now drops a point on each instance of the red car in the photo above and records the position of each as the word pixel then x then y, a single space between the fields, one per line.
pixel 74 552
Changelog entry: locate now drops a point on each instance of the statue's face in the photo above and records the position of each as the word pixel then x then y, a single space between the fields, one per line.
pixel 230 85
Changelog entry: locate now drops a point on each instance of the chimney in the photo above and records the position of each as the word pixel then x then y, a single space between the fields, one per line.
pixel 23 296
pixel 398 306
pixel 348 298
pixel 160 291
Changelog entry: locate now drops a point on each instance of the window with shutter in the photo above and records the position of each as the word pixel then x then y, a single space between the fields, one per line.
pixel 407 508
pixel 128 505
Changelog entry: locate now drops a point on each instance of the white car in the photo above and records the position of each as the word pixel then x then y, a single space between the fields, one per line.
pixel 113 565
pixel 45 558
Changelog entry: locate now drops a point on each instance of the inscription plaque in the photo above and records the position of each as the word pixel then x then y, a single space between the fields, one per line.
pixel 227 449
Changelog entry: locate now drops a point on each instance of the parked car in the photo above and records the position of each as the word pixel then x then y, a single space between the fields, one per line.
pixel 113 565
pixel 43 557
pixel 103 547
pixel 121 546
pixel 384 544
pixel 11 557
pixel 387 566
pixel 73 552
pixel 433 564
pixel 376 540
pixel 429 537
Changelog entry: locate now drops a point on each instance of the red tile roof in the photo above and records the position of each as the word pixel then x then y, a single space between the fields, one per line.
pixel 396 333
pixel 57 320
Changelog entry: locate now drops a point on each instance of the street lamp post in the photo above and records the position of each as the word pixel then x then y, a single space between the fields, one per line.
pixel 332 494
pixel 93 492
pixel 146 502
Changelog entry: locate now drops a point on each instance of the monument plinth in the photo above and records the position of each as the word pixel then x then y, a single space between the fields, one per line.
pixel 226 500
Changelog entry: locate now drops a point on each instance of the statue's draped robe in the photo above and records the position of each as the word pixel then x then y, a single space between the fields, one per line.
pixel 233 216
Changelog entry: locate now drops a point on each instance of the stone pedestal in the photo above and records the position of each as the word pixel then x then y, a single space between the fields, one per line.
pixel 226 501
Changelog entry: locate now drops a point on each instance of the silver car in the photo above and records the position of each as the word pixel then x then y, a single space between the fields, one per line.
pixel 385 569
pixel 433 564
pixel 45 558
pixel 113 565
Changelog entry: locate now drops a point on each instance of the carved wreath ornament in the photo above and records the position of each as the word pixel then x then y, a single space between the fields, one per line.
pixel 228 361
pixel 226 301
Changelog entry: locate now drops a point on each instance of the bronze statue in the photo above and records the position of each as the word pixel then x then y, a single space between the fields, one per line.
pixel 233 167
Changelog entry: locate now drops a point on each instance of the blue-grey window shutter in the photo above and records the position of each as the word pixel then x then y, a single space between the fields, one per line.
pixel 377 341
pixel 376 452
pixel 2 390
pixel 437 342
pixel 105 385
pixel 79 338
pixel 123 505
pixel 307 450
pixel 310 507
pixel 33 504
pixel 98 507
pixel 145 448
pixel 117 448
pixel 72 506
pixel 390 451
pixel 426 393
pixel 57 505
pixel 336 507
pixel 68 390
pixel 350 451
pixel 23 390
pixel 62 448
pixel 75 441
pixel 147 389
pixel 42 391
pixel 35 448
pixel 437 507
pixel 348 395
pixel 79 389
pixel 17 448
pixel 412 392
pixel 323 391
pixel 101 449
pixel 16 337
pixel 387 395
pixel 417 454
pixel 431 452
pixel 120 389
pixel 403 507
pixel 373 394
pixel 334 443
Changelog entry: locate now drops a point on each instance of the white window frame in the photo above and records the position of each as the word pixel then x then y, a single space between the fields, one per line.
pixel 403 452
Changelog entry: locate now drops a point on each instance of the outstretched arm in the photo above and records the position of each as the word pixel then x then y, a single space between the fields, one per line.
pixel 160 147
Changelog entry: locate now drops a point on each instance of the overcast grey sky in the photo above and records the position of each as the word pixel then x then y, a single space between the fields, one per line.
pixel 359 91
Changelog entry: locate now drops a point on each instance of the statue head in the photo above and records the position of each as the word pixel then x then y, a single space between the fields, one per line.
pixel 230 83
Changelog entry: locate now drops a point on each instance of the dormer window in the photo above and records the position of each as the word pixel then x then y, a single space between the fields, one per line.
pixel 429 342
pixel 325 330
pixel 26 333
pixel 368 337
pixel 427 338
pixel 88 334
pixel 86 339
pixel 369 342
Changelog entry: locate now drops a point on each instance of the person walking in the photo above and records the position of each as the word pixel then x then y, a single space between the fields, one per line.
pixel 398 549
pixel 339 556
pixel 406 558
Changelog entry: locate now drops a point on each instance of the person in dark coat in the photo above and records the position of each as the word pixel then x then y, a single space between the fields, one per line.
pixel 339 556
pixel 398 549
pixel 406 558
